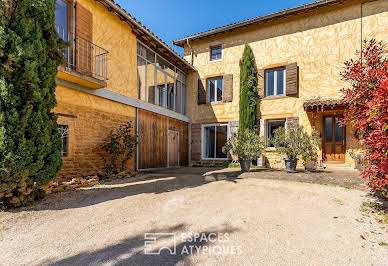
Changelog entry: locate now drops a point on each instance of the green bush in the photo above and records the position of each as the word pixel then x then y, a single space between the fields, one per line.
pixel 30 143
pixel 118 149
pixel 295 142
pixel 246 144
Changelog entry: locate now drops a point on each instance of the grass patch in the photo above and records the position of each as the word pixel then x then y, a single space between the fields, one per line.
pixel 237 165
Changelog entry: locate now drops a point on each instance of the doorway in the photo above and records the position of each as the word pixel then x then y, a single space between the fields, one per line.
pixel 333 141
pixel 173 148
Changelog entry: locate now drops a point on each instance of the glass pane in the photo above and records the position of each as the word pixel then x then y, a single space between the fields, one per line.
pixel 161 92
pixel 216 53
pixel 272 126
pixel 219 90
pixel 280 82
pixel 170 93
pixel 270 83
pixel 61 14
pixel 329 128
pixel 163 64
pixel 221 140
pixel 151 82
pixel 141 78
pixel 338 131
pixel 209 135
pixel 211 90
pixel 179 96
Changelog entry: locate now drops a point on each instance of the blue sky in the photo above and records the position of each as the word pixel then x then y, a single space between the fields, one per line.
pixel 172 19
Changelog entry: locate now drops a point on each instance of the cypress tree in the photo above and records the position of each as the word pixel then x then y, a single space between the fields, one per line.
pixel 30 143
pixel 248 90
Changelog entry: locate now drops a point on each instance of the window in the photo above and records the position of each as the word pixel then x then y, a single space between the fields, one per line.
pixel 275 81
pixel 213 139
pixel 272 125
pixel 215 52
pixel 64 132
pixel 215 88
pixel 159 82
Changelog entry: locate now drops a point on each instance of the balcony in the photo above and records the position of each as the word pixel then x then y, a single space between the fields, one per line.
pixel 85 63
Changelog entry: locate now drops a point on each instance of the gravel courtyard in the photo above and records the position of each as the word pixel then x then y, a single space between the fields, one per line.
pixel 263 217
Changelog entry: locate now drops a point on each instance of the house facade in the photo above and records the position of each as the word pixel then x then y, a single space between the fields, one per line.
pixel 116 71
pixel 299 55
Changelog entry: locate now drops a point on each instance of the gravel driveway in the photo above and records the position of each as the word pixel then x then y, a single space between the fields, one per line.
pixel 217 218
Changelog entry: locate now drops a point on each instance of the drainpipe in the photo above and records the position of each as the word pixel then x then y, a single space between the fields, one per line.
pixel 191 51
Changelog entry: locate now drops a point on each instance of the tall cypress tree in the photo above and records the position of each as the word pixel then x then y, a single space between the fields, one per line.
pixel 248 90
pixel 30 143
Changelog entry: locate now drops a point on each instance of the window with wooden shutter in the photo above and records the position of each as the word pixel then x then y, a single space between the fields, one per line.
pixel 261 83
pixel 292 79
pixel 84 39
pixel 228 88
pixel 201 91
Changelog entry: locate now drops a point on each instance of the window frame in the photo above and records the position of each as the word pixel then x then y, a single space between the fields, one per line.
pixel 215 89
pixel 179 75
pixel 276 70
pixel 267 133
pixel 67 137
pixel 203 126
pixel 215 46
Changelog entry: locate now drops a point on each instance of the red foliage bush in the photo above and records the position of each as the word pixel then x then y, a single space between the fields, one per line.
pixel 367 112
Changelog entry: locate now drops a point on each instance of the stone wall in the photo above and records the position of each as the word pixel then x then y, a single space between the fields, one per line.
pixel 319 41
pixel 88 129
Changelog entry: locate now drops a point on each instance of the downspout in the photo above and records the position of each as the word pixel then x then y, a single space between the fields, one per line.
pixel 191 51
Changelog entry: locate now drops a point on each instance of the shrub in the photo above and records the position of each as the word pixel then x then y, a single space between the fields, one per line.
pixel 294 142
pixel 248 90
pixel 118 148
pixel 367 112
pixel 30 143
pixel 246 144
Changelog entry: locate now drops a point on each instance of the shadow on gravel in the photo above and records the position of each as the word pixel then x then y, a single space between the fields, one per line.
pixel 132 251
pixel 151 182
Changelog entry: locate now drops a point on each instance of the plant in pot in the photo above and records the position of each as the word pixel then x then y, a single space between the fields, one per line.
pixel 292 143
pixel 247 145
pixel 309 152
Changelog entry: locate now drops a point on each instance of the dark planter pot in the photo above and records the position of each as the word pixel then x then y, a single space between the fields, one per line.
pixel 245 165
pixel 291 164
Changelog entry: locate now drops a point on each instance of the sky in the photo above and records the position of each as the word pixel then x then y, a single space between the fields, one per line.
pixel 173 19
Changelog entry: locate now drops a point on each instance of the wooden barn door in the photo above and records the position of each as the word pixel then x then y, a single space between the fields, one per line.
pixel 333 140
pixel 173 148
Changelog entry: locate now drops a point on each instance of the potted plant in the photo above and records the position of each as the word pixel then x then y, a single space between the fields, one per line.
pixel 292 143
pixel 247 145
pixel 309 151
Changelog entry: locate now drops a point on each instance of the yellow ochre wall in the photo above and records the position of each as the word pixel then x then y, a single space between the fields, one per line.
pixel 90 118
pixel 319 41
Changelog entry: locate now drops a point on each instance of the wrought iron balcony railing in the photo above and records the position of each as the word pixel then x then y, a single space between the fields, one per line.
pixel 84 56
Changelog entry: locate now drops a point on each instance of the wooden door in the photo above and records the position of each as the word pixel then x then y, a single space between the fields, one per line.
pixel 173 148
pixel 333 139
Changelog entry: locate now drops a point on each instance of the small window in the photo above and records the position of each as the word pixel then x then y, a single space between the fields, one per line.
pixel 215 90
pixel 275 81
pixel 64 131
pixel 215 52
pixel 272 125
pixel 213 139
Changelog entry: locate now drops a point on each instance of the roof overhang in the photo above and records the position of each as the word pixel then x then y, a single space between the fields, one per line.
pixel 317 105
pixel 257 20
pixel 147 37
